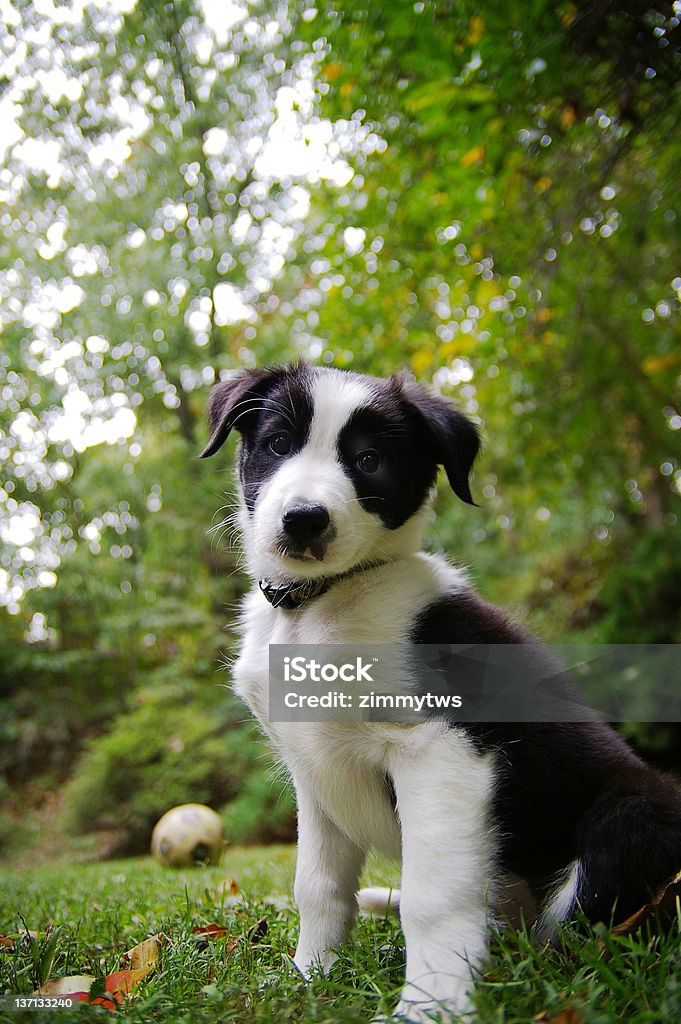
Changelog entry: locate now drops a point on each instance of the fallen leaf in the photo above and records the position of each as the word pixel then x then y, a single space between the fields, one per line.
pixel 109 991
pixel 258 931
pixel 6 944
pixel 144 954
pixel 98 996
pixel 228 889
pixel 111 1002
pixel 76 985
pixel 664 906
pixel 210 931
pixel 205 934
pixel 570 1015
pixel 123 982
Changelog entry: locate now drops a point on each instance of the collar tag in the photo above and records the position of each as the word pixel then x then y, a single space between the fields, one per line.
pixel 294 594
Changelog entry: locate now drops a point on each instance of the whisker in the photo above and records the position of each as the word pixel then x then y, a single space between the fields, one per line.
pixel 367 497
pixel 264 404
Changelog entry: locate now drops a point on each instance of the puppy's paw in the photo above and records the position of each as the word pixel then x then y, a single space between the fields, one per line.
pixel 308 965
pixel 432 1012
pixel 302 969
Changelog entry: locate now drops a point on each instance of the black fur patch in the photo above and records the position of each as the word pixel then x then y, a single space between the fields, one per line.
pixel 287 407
pixel 566 790
pixel 413 433
pixel 406 470
pixel 453 439
pixel 261 404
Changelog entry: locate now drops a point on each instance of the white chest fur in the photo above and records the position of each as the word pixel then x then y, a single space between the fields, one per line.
pixel 345 765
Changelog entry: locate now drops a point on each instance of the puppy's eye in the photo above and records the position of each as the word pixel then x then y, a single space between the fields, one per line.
pixel 280 443
pixel 368 461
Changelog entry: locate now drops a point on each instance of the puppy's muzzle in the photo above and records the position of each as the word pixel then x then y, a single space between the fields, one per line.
pixel 306 530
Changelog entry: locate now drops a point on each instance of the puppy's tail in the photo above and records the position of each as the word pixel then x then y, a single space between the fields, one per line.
pixel 375 900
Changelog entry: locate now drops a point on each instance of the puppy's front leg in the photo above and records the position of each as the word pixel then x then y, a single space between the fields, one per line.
pixel 328 867
pixel 443 788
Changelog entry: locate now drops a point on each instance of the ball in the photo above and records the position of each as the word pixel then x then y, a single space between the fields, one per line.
pixel 188 835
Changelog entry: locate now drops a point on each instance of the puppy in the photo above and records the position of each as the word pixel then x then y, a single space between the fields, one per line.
pixel 335 476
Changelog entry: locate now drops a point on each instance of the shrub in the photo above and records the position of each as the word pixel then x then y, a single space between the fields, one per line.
pixel 263 812
pixel 160 754
pixel 641 596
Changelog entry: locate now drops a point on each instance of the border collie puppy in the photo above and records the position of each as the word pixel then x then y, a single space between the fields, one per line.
pixel 336 472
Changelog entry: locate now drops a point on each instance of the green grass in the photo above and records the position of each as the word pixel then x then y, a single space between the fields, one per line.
pixel 87 916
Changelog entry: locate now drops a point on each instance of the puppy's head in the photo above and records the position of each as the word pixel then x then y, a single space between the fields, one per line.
pixel 335 469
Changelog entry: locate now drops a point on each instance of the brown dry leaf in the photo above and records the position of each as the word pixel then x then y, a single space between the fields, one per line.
pixel 144 954
pixel 123 982
pixel 258 931
pixel 207 932
pixel 228 888
pixel 6 944
pixel 570 1015
pixel 76 984
pixel 117 986
pixel 204 934
pixel 665 906
pixel 210 931
pixel 109 1002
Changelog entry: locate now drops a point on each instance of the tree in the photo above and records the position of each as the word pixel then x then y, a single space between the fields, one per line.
pixel 482 198
pixel 143 223
pixel 510 233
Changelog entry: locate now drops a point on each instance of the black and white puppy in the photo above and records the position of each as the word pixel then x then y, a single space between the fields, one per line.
pixel 336 472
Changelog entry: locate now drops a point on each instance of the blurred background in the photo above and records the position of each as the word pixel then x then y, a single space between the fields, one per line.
pixel 485 195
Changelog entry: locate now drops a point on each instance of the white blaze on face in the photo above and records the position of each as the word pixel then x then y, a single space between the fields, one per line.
pixel 316 476
pixel 336 396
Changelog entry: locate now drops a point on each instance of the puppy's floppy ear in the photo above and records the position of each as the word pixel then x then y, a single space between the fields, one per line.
pixel 455 439
pixel 233 403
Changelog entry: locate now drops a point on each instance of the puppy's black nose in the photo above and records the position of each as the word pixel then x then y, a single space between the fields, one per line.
pixel 305 523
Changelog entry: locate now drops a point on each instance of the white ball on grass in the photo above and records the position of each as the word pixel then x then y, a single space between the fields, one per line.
pixel 188 835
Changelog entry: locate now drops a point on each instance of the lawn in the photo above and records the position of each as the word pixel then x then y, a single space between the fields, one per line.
pixel 87 916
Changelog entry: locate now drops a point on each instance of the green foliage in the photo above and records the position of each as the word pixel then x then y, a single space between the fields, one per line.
pixel 641 599
pixel 506 229
pixel 14 835
pixel 588 975
pixel 44 719
pixel 160 754
pixel 263 812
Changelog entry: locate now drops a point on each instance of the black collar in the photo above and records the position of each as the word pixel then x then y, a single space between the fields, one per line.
pixel 298 592
pixel 295 593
